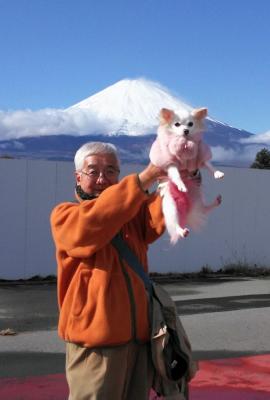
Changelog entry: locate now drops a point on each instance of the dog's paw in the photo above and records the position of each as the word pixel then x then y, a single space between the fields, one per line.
pixel 183 232
pixel 181 187
pixel 218 200
pixel 186 232
pixel 218 175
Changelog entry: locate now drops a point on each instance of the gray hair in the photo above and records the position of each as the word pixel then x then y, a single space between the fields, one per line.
pixel 93 148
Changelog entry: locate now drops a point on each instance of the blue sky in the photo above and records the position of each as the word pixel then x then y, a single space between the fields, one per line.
pixel 210 53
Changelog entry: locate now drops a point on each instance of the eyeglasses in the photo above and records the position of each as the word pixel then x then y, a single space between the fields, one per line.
pixel 108 173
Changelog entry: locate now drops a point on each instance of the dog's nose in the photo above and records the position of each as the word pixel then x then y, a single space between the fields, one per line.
pixel 186 132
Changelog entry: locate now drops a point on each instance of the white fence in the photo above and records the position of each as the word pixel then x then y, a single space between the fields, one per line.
pixel 236 232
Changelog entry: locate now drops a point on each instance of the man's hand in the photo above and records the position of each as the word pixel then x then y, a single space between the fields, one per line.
pixel 150 175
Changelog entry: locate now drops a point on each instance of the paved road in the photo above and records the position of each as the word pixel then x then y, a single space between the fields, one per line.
pixel 224 317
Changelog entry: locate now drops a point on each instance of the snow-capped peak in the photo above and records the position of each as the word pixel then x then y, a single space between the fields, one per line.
pixel 130 106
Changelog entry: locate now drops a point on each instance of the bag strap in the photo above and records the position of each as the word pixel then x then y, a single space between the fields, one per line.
pixel 127 254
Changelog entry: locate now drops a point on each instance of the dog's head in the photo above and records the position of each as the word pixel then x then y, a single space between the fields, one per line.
pixel 188 125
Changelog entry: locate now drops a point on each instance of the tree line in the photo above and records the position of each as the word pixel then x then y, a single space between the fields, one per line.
pixel 262 160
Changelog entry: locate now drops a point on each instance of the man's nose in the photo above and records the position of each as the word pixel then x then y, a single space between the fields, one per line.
pixel 101 177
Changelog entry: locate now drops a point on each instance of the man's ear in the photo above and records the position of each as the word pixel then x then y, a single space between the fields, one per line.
pixel 77 177
pixel 199 113
pixel 166 116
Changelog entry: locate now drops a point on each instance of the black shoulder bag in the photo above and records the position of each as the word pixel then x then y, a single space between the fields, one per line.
pixel 172 362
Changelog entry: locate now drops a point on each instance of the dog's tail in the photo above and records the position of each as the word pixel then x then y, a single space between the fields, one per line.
pixel 197 215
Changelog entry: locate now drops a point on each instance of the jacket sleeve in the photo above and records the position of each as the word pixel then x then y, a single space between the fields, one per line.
pixel 81 229
pixel 154 224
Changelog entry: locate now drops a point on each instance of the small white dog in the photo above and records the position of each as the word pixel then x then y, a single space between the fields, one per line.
pixel 180 150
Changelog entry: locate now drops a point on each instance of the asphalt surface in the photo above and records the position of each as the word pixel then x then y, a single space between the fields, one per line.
pixel 28 307
pixel 223 316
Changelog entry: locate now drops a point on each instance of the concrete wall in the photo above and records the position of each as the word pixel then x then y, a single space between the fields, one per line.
pixel 235 232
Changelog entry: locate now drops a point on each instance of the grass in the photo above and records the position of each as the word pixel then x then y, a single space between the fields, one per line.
pixel 244 269
pixel 206 272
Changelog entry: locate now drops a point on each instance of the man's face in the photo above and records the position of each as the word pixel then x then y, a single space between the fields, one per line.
pixel 99 172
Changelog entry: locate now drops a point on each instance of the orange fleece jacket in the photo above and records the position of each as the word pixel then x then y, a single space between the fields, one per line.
pixel 102 301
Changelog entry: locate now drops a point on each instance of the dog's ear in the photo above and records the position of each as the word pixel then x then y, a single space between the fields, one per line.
pixel 199 113
pixel 166 116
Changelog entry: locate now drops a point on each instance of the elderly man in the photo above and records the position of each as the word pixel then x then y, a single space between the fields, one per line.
pixel 102 301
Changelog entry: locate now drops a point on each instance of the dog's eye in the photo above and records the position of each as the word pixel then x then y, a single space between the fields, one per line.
pixel 177 124
pixel 190 124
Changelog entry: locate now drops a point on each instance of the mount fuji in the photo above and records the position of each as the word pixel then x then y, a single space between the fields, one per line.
pixel 125 114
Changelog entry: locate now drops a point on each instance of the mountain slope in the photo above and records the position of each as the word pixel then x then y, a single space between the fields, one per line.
pixel 126 114
pixel 129 107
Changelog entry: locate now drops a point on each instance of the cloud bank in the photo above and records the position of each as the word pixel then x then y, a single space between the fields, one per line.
pixel 77 122
pixel 242 156
pixel 23 123
pixel 263 138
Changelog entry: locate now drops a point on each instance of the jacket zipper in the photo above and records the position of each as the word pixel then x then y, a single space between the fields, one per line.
pixel 131 301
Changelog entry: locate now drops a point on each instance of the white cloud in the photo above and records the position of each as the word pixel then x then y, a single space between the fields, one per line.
pixel 263 138
pixel 245 155
pixel 22 123
pixel 220 154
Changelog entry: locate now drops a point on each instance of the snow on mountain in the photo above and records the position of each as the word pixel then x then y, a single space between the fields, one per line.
pixel 130 106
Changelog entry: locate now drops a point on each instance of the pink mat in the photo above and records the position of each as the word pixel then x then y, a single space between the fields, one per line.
pixel 246 378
